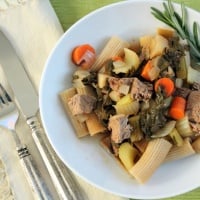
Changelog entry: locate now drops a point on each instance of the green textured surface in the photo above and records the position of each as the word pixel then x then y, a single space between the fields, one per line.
pixel 69 11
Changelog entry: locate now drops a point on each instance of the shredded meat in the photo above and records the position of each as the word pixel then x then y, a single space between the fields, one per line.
pixel 116 83
pixel 193 106
pixel 126 81
pixel 120 128
pixel 81 103
pixel 141 91
pixel 195 128
pixel 138 90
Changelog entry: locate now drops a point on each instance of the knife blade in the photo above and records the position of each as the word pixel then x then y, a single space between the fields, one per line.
pixel 27 99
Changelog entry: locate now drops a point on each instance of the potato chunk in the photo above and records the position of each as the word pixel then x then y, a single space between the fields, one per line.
pixel 158 44
pixel 127 155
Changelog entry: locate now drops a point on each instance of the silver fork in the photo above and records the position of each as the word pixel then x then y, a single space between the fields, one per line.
pixel 9 115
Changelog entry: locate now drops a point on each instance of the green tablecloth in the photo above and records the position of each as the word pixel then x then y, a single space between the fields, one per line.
pixel 69 11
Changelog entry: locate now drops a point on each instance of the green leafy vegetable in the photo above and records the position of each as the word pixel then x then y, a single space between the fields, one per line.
pixel 179 22
pixel 153 119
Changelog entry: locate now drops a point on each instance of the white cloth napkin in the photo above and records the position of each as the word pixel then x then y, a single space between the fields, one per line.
pixel 33 28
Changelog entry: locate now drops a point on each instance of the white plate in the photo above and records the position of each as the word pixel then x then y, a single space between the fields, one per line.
pixel 85 157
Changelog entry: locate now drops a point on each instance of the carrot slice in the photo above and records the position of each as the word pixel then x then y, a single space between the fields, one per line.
pixel 117 58
pixel 150 71
pixel 177 108
pixel 146 69
pixel 83 55
pixel 166 84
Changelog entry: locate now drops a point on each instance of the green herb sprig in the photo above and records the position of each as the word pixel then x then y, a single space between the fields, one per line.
pixel 179 22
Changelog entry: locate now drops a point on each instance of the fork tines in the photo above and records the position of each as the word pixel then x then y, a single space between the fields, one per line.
pixel 4 96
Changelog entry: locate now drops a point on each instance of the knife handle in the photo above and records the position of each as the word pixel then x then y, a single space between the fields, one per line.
pixel 63 180
pixel 39 189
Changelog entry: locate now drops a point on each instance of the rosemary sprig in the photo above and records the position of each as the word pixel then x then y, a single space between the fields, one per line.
pixel 179 22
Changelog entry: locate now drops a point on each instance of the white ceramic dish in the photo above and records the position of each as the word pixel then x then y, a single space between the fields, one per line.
pixel 85 157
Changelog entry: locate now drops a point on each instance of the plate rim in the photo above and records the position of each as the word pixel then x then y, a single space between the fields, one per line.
pixel 41 88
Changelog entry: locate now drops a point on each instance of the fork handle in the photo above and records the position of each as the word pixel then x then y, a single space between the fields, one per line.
pixel 63 180
pixel 39 189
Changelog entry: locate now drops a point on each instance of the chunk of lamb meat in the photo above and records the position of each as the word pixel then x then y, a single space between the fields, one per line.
pixel 193 106
pixel 141 91
pixel 116 83
pixel 120 129
pixel 82 103
pixel 195 128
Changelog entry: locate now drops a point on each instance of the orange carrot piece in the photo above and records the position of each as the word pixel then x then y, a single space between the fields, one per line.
pixel 177 108
pixel 145 71
pixel 83 55
pixel 117 58
pixel 166 84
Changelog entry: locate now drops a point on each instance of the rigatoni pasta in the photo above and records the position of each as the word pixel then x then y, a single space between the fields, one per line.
pixel 114 47
pixel 180 152
pixel 196 145
pixel 154 155
pixel 94 125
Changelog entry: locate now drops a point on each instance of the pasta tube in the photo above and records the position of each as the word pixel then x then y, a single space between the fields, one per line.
pixel 88 90
pixel 180 152
pixel 114 47
pixel 82 117
pixel 152 158
pixel 196 145
pixel 80 128
pixel 94 125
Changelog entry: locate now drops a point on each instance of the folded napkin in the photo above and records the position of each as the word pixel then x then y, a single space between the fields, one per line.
pixel 33 28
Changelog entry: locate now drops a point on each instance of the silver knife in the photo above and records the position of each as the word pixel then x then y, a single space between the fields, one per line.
pixel 27 99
